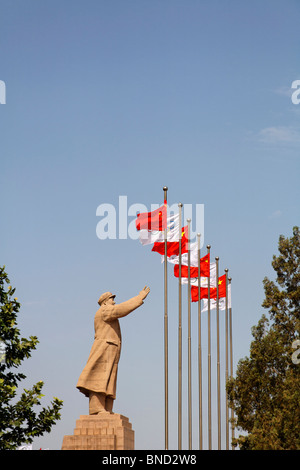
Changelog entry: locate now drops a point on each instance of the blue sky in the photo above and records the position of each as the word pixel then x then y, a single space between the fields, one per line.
pixel 121 98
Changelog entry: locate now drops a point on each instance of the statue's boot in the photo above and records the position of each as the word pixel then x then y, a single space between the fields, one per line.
pixel 97 403
pixel 109 403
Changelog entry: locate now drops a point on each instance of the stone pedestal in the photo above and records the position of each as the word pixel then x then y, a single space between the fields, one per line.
pixel 104 431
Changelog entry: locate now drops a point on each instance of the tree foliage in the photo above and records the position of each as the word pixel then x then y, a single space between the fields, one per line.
pixel 265 394
pixel 19 421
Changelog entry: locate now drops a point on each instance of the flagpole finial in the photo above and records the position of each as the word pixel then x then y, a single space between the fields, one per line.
pixel 226 270
pixel 180 204
pixel 229 279
pixel 217 258
pixel 198 234
pixel 208 247
pixel 165 188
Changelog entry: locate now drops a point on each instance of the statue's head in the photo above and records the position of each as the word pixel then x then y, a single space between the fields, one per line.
pixel 107 299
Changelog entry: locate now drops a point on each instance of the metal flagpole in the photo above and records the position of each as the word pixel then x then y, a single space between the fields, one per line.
pixel 199 346
pixel 231 359
pixel 209 359
pixel 226 358
pixel 165 189
pixel 218 357
pixel 189 341
pixel 180 338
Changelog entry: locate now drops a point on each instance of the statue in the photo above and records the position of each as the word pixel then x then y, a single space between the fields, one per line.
pixel 99 377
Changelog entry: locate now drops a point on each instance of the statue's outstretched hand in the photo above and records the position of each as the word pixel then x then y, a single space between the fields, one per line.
pixel 145 292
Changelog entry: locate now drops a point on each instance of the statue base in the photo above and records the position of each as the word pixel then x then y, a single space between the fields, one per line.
pixel 104 431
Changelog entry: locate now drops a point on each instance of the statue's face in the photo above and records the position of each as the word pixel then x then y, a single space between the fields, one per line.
pixel 110 301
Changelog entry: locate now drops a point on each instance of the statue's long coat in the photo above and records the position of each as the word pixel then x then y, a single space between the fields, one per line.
pixel 100 373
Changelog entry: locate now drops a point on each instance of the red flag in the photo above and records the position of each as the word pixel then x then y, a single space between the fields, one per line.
pixel 172 247
pixel 204 269
pixel 213 290
pixel 155 220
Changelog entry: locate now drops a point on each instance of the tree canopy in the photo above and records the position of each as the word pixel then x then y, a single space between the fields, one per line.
pixel 265 394
pixel 19 420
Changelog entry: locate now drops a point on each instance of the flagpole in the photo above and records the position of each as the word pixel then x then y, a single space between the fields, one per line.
pixel 199 346
pixel 189 342
pixel 180 338
pixel 218 356
pixel 231 361
pixel 165 189
pixel 226 358
pixel 209 358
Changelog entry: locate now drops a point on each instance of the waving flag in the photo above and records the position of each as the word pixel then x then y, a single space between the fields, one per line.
pixel 184 258
pixel 203 280
pixel 222 301
pixel 172 245
pixel 213 290
pixel 147 237
pixel 204 268
pixel 155 220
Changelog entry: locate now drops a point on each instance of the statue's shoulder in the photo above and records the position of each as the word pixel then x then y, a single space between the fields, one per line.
pixel 99 312
pixel 104 311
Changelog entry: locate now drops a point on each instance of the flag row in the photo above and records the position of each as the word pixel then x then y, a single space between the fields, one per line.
pixel 154 228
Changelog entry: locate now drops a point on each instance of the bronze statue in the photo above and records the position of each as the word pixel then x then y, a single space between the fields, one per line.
pixel 99 377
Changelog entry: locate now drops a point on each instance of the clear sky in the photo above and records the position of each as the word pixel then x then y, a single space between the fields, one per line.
pixel 112 98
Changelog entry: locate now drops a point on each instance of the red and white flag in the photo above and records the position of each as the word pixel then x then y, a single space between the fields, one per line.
pixel 203 280
pixel 184 256
pixel 173 243
pixel 204 268
pixel 222 302
pixel 212 290
pixel 147 237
